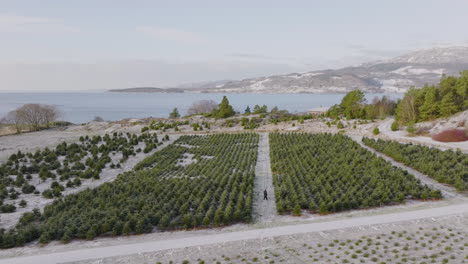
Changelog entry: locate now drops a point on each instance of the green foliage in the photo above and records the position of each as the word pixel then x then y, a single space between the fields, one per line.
pixel 67 164
pixel 251 123
pixel 430 109
pixel 160 193
pixel 169 124
pixel 260 109
pixel 329 173
pixel 353 105
pixel 410 128
pixel 174 113
pixel 445 99
pixel 394 126
pixel 376 131
pixel 448 105
pixel 196 126
pixel 247 110
pixel 224 109
pixel 444 166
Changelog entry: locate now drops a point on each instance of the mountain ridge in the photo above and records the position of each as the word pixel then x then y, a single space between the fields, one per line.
pixel 385 76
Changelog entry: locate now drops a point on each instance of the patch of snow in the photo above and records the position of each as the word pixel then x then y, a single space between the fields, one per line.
pixel 396 85
pixel 409 70
pixel 258 85
pixel 312 73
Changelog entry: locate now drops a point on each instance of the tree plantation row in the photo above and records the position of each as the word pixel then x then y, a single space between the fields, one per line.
pixel 329 173
pixel 67 165
pixel 162 193
pixel 207 181
pixel 450 167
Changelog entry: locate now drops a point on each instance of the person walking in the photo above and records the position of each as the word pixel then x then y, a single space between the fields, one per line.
pixel 265 195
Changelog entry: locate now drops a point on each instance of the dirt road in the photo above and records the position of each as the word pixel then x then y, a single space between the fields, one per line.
pixel 263 210
pixel 103 252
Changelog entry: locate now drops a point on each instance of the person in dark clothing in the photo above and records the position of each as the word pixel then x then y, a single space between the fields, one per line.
pixel 265 195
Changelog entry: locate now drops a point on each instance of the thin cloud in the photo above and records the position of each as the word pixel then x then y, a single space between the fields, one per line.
pixel 172 34
pixel 253 56
pixel 31 24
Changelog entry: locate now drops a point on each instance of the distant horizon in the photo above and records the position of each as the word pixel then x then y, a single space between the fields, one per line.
pixel 215 80
pixel 63 45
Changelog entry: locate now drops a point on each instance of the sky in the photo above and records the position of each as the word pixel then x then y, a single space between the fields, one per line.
pixel 59 45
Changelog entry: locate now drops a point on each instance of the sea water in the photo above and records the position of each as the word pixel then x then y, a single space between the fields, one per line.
pixel 81 107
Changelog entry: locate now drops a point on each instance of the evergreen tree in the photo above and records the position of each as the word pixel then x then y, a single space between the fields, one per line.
pixel 351 104
pixel 225 109
pixel 274 110
pixel 448 105
pixel 256 109
pixel 247 111
pixel 448 97
pixel 430 108
pixel 174 113
pixel 461 89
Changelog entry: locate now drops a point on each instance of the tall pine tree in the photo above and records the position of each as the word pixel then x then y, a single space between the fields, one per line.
pixel 448 105
pixel 225 109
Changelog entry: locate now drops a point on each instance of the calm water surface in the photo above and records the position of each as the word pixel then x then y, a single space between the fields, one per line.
pixel 83 107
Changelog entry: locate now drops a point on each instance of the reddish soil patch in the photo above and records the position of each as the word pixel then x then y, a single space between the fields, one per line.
pixel 451 135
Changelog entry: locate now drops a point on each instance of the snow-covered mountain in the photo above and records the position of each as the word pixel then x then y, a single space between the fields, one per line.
pixel 393 75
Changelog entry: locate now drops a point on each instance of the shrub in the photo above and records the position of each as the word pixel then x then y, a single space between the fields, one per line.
pixel 410 128
pixel 376 131
pixel 394 126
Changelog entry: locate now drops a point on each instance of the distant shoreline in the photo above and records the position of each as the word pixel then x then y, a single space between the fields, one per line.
pixel 146 90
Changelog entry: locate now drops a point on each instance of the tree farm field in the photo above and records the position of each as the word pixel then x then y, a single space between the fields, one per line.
pixel 191 185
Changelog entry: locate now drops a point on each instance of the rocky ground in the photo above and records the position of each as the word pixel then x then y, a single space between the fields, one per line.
pixel 429 128
pixel 437 240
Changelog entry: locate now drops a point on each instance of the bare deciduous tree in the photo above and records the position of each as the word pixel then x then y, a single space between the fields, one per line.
pixel 34 116
pixel 202 106
pixel 49 114
pixel 13 118
pixel 30 114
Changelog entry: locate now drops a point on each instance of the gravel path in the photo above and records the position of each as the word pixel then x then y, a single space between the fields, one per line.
pixel 402 137
pixel 447 191
pixel 263 210
pixel 265 233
